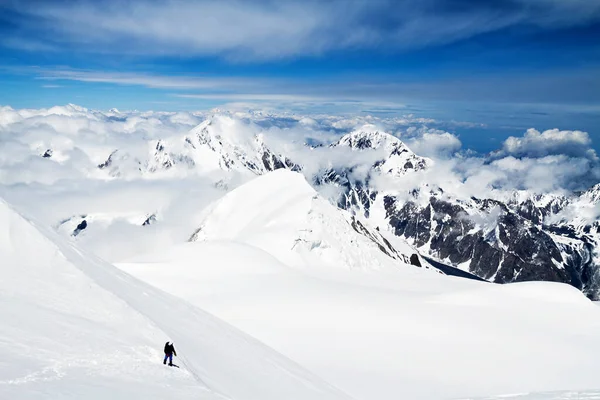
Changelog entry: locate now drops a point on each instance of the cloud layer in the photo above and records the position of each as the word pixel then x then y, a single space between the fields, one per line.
pixel 68 182
pixel 80 139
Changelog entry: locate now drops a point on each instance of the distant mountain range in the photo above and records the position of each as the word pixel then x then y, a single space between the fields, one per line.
pixel 524 236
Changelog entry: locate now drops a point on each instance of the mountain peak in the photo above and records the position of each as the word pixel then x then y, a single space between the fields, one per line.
pixel 592 194
pixel 282 214
pixel 397 159
pixel 369 137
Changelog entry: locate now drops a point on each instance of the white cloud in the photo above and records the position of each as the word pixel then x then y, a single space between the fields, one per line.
pixel 80 139
pixel 257 30
pixel 68 183
pixel 546 174
pixel 550 142
pixel 433 143
pixel 550 162
pixel 578 213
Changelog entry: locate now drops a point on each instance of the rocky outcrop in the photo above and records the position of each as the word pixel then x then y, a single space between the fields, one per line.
pixel 522 239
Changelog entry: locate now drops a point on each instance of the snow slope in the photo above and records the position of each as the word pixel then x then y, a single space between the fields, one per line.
pixel 396 333
pixel 282 214
pixel 561 395
pixel 80 328
pixel 384 331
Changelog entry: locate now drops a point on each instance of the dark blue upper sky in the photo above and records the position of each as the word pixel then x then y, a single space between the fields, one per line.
pixel 510 64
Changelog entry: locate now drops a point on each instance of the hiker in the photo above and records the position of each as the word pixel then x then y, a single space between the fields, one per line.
pixel 169 352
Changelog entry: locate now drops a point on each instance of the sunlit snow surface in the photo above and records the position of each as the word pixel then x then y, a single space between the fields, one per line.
pixel 75 327
pixel 394 331
pixel 587 395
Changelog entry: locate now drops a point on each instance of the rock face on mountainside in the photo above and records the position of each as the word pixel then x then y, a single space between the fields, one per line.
pixel 512 249
pixel 520 240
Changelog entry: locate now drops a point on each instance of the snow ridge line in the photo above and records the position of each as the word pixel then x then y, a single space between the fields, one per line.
pixel 215 345
pixel 193 309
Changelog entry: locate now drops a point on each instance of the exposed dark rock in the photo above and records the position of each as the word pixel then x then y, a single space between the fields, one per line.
pixel 381 242
pixel 108 161
pixel 189 143
pixel 414 260
pixel 515 244
pixel 511 251
pixel 354 195
pixel 272 162
pixel 150 220
pixel 452 271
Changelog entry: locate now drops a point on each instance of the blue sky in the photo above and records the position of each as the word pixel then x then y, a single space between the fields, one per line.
pixel 508 64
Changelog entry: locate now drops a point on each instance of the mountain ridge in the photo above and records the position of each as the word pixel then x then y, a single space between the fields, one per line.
pixel 517 236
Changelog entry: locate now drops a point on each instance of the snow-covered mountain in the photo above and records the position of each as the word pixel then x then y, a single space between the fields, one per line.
pixel 220 143
pixel 503 247
pixel 80 327
pixel 283 215
pixel 389 157
pixel 397 158
pixel 501 241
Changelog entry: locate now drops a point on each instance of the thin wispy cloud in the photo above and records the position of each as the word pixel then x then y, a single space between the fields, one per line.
pixel 251 96
pixel 146 80
pixel 27 44
pixel 519 88
pixel 271 30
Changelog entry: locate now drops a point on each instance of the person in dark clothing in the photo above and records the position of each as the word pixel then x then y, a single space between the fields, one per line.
pixel 169 353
